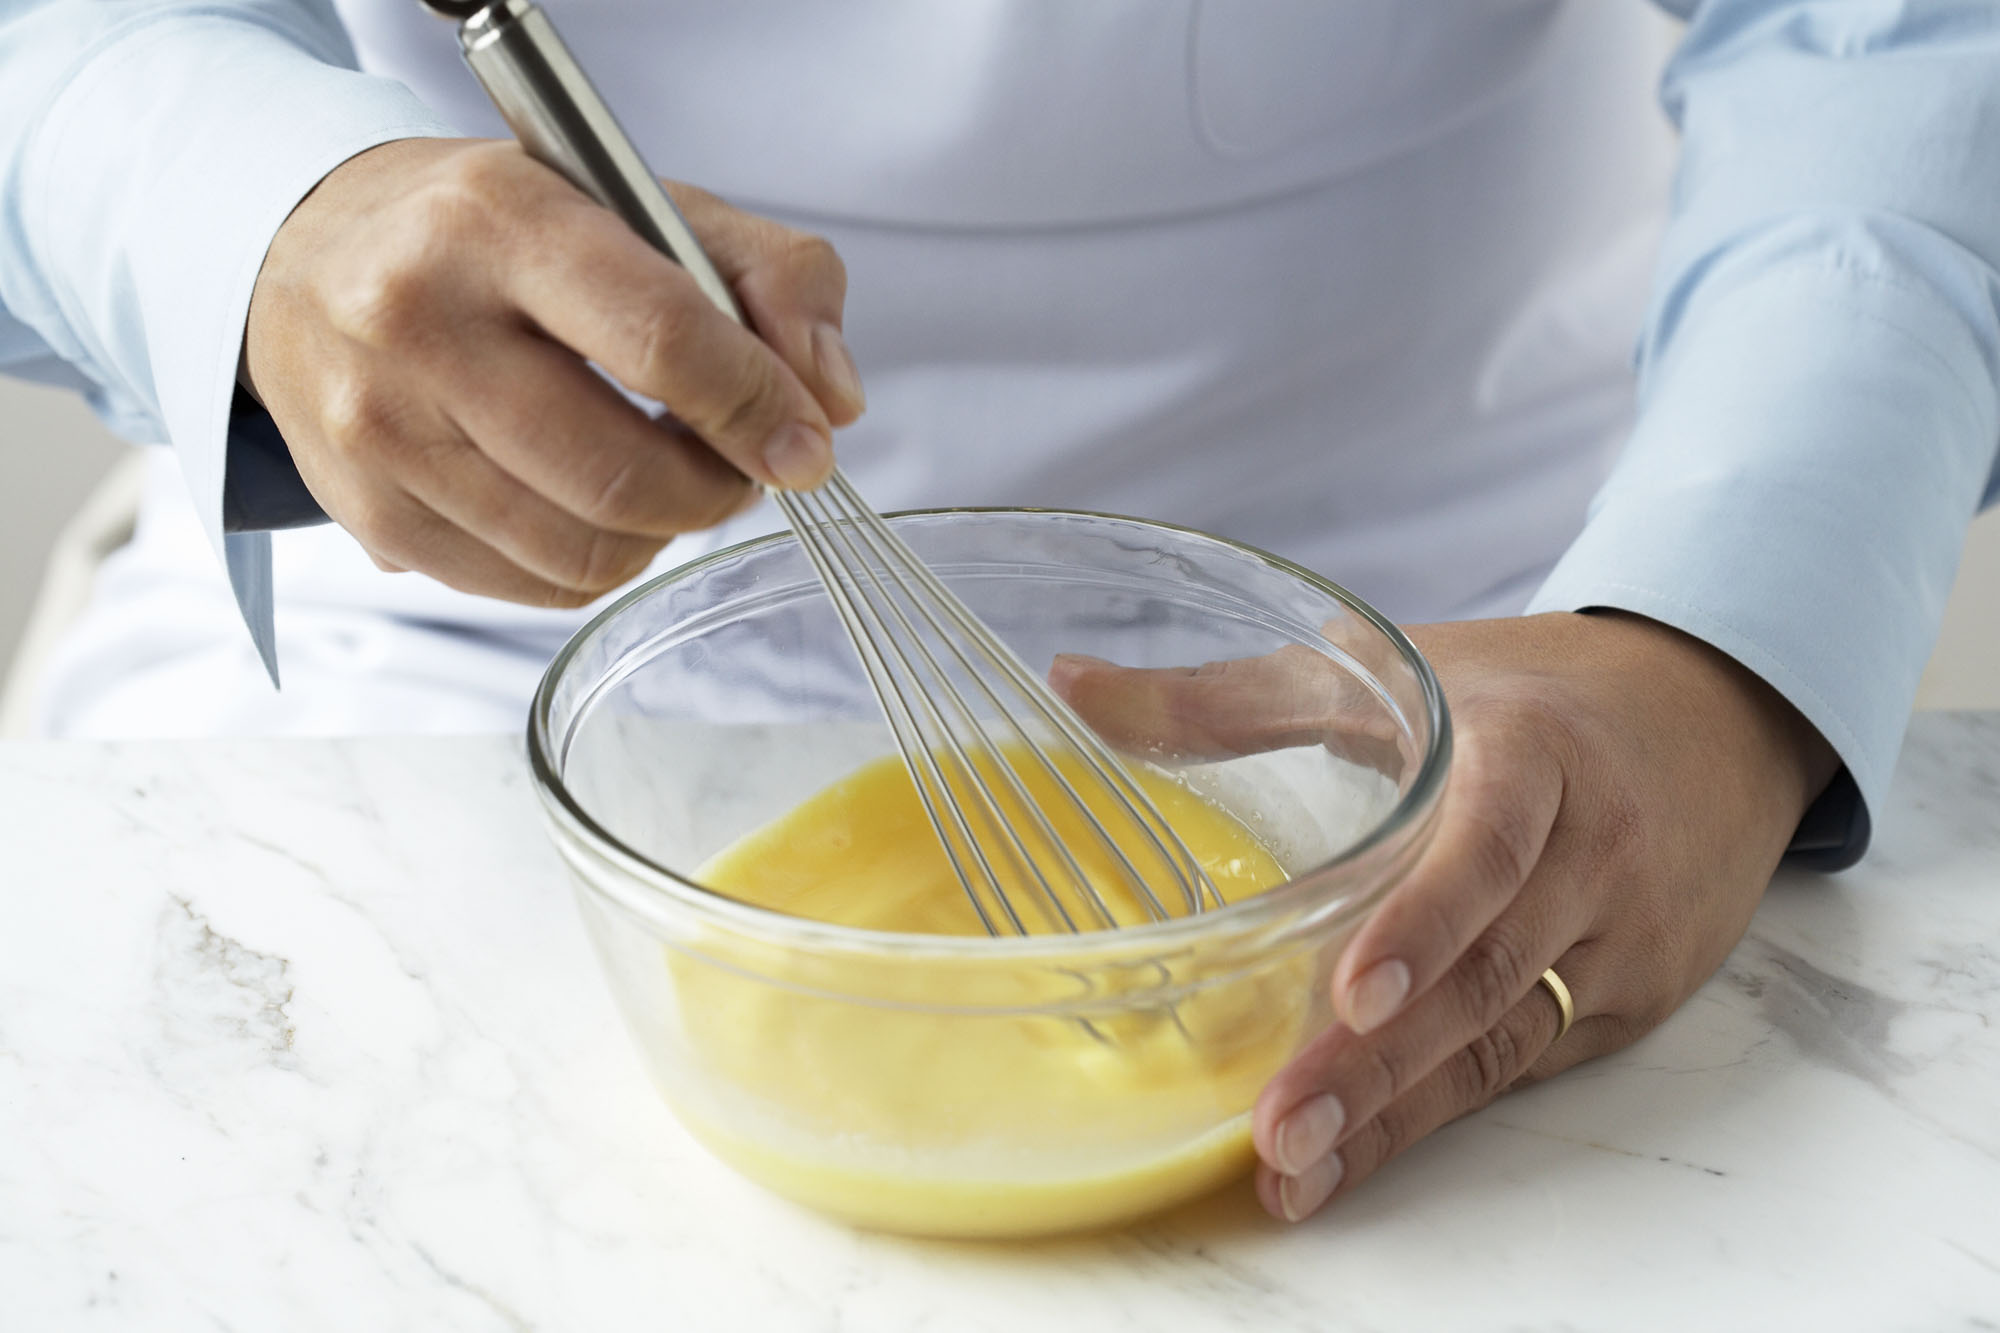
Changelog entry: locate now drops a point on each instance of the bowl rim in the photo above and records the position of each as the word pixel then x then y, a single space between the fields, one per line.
pixel 665 886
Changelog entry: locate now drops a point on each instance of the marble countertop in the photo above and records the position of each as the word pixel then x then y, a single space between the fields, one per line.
pixel 305 1034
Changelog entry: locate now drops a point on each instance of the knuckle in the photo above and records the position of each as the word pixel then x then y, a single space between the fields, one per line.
pixel 1395 1130
pixel 602 562
pixel 749 410
pixel 355 415
pixel 397 290
pixel 1440 925
pixel 1491 1063
pixel 806 253
pixel 557 598
pixel 486 194
pixel 479 180
pixel 1390 1069
pixel 386 304
pixel 574 565
pixel 623 500
pixel 665 335
pixel 743 396
pixel 1492 976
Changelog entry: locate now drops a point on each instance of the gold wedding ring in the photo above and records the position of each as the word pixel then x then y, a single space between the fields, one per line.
pixel 1563 1001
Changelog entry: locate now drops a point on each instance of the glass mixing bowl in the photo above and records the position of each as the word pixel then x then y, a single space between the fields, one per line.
pixel 975 1086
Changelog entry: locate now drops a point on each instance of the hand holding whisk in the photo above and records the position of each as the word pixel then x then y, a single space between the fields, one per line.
pixel 1043 826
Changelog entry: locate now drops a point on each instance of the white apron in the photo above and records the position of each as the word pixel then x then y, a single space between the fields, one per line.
pixel 1356 282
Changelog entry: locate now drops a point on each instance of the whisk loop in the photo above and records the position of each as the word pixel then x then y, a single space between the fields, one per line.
pixel 931 663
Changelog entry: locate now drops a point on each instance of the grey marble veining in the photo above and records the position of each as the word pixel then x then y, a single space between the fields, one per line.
pixel 306 1035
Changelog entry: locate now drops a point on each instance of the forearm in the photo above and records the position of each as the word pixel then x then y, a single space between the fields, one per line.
pixel 1819 412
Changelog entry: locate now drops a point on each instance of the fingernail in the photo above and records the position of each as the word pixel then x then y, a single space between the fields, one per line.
pixel 796 455
pixel 1301 1194
pixel 1308 1133
pixel 836 365
pixel 1374 999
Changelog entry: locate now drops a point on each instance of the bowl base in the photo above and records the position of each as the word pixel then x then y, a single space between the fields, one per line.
pixel 965 1207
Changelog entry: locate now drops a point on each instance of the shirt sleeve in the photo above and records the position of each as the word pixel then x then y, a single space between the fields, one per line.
pixel 1820 366
pixel 149 151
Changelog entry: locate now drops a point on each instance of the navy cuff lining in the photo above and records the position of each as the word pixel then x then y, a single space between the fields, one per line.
pixel 261 487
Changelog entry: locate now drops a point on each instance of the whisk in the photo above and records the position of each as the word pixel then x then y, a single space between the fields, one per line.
pixel 978 731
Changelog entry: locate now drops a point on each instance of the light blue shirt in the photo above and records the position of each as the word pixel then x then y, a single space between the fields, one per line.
pixel 1820 367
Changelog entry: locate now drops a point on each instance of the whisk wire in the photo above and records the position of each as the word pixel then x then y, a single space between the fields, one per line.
pixel 1193 881
pixel 925 775
pixel 997 759
pixel 837 529
pixel 853 551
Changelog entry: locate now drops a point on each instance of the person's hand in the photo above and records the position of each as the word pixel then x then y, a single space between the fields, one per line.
pixel 420 330
pixel 1619 796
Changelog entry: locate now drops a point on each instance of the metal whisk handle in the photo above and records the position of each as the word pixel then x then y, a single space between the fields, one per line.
pixel 553 109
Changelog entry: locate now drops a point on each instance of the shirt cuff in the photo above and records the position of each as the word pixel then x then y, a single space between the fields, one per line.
pixel 1795 494
pixel 181 147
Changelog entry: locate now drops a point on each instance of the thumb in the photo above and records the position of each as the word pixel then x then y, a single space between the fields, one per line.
pixel 1219 710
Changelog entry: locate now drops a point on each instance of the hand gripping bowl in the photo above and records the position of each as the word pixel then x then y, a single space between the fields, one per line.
pixel 966 1085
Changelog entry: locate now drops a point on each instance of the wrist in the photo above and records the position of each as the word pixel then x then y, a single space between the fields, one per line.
pixel 1737 709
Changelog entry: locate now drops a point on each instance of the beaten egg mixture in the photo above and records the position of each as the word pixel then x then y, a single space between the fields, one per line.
pixel 898 1113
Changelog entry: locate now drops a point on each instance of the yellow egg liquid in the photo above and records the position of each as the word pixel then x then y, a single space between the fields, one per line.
pixel 986 1118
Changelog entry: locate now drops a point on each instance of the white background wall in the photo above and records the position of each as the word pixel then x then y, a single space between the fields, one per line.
pixel 52 450
pixel 1965 668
